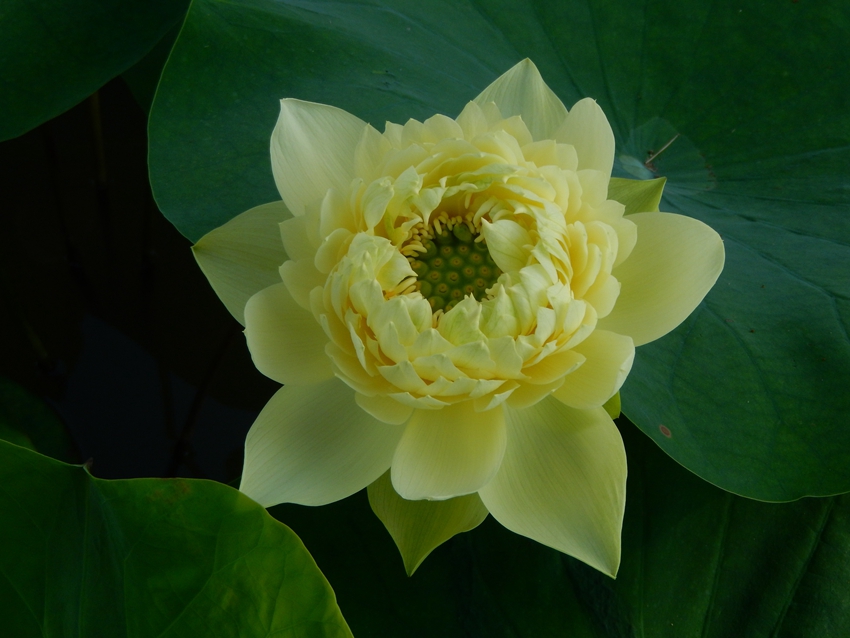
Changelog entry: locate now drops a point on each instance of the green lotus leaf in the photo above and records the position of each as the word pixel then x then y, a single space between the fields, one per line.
pixel 55 53
pixel 148 557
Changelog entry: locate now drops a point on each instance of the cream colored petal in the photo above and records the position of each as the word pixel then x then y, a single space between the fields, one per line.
pixel 588 130
pixel 448 452
pixel 296 240
pixel 472 121
pixel 419 527
pixel 241 257
pixel 286 342
pixel 555 366
pixel 563 482
pixel 312 445
pixel 603 296
pixel 508 243
pixel 313 149
pixel 370 152
pixel 609 359
pixel 530 393
pixel 384 408
pixel 301 278
pixel 674 264
pixel 521 91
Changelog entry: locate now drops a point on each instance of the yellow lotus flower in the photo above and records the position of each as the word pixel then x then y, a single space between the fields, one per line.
pixel 457 300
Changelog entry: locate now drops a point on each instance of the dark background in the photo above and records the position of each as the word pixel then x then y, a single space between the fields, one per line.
pixel 103 311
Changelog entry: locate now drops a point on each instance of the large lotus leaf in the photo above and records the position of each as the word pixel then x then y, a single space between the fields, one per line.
pixel 751 99
pixel 54 53
pixel 148 557
pixel 697 562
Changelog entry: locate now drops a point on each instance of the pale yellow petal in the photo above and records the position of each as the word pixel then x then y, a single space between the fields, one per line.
pixel 555 366
pixel 296 240
pixel 313 149
pixel 522 91
pixel 384 408
pixel 563 482
pixel 286 342
pixel 609 358
pixel 472 121
pixel 509 244
pixel 674 264
pixel 530 393
pixel 370 152
pixel 448 452
pixel 301 278
pixel 588 130
pixel 419 527
pixel 312 445
pixel 241 257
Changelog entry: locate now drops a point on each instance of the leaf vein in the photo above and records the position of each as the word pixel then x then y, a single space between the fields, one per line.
pixel 724 537
pixel 827 515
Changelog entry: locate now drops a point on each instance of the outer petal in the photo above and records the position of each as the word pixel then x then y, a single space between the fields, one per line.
pixel 286 342
pixel 384 408
pixel 312 445
pixel 313 148
pixel 674 264
pixel 588 130
pixel 609 359
pixel 448 452
pixel 419 527
pixel 521 91
pixel 563 482
pixel 637 195
pixel 241 257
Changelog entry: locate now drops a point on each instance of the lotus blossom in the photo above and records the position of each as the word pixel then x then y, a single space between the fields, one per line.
pixel 449 304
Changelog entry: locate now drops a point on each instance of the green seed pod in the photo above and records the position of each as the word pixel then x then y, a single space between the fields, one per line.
pixel 453 267
pixel 430 249
pixel 419 267
pixel 444 237
pixel 437 303
pixel 461 232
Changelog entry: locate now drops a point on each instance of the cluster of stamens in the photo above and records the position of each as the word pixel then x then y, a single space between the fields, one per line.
pixel 451 260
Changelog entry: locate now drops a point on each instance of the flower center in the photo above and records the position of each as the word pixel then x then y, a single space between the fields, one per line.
pixel 451 261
